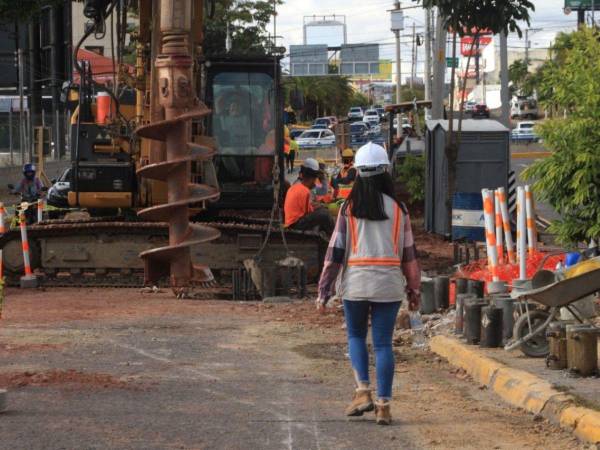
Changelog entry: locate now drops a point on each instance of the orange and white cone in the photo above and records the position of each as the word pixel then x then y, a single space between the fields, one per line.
pixel 40 210
pixel 28 280
pixel 490 232
pixel 531 226
pixel 498 222
pixel 521 233
pixel 506 225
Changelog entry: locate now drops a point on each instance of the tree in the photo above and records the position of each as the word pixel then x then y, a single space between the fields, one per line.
pixel 247 21
pixel 518 75
pixel 569 179
pixel 470 17
pixel 326 95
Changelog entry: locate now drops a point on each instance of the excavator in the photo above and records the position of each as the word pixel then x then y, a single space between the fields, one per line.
pixel 203 140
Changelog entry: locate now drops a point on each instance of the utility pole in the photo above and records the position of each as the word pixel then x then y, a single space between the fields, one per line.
pixel 397 27
pixel 504 94
pixel 439 72
pixel 427 75
pixel 527 49
pixel 22 143
pixel 413 57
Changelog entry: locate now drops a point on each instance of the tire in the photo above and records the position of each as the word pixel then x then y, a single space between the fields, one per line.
pixel 538 346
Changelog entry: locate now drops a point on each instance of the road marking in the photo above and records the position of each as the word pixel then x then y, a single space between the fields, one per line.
pixel 530 155
pixel 162 359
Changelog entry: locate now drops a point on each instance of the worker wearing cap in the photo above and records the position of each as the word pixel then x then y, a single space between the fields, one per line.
pixel 373 252
pixel 342 183
pixel 300 211
pixel 322 187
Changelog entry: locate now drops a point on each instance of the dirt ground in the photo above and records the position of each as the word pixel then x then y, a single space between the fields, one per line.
pixel 114 368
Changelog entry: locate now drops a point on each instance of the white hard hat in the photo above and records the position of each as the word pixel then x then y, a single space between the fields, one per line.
pixel 371 159
pixel 311 163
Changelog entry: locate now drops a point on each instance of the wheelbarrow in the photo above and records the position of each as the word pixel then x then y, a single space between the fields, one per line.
pixel 529 333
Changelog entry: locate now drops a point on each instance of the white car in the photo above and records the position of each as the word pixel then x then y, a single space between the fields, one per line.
pixel 405 122
pixel 355 113
pixel 316 138
pixel 524 132
pixel 371 116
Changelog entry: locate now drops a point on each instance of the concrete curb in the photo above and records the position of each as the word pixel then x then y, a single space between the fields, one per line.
pixel 521 389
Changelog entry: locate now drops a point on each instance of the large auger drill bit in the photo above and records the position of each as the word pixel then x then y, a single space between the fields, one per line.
pixel 176 96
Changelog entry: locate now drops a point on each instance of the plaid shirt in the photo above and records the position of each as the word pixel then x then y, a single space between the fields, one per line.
pixel 336 255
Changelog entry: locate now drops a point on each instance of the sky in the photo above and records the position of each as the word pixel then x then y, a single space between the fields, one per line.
pixel 369 21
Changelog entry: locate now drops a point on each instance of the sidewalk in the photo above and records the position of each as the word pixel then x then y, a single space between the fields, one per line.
pixel 574 403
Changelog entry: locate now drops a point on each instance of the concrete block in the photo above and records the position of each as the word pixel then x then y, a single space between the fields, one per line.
pixel 29 282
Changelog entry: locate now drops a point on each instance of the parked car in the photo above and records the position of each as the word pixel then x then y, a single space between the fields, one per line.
pixel 470 106
pixel 371 116
pixel 333 121
pixel 59 191
pixel 482 111
pixel 524 108
pixel 380 109
pixel 316 138
pixel 359 133
pixel 320 121
pixel 524 132
pixel 295 132
pixel 355 113
pixel 320 126
pixel 405 122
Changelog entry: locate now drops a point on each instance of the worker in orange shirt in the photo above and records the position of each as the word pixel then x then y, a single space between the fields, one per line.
pixel 342 183
pixel 300 211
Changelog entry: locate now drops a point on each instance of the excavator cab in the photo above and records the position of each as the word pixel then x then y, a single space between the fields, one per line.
pixel 247 126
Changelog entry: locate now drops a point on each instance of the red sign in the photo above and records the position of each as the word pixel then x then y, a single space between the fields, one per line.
pixel 469 48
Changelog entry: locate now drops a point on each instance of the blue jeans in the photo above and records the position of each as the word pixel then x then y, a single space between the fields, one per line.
pixel 383 319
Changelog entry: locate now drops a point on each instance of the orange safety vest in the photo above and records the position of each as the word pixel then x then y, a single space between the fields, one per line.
pixel 343 190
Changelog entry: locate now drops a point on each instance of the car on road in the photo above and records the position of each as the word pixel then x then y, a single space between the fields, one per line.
pixel 381 110
pixel 316 138
pixel 295 132
pixel 59 191
pixel 524 108
pixel 470 106
pixel 333 121
pixel 359 132
pixel 371 116
pixel 481 111
pixel 322 122
pixel 355 113
pixel 524 132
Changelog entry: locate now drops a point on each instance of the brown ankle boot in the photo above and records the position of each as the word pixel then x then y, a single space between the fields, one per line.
pixel 361 402
pixel 383 414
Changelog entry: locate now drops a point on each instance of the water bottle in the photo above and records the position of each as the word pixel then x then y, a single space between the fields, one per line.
pixel 416 325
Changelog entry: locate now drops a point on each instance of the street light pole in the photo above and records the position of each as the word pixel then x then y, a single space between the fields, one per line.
pixel 397 27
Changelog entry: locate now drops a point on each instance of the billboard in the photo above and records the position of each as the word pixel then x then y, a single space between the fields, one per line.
pixel 574 5
pixel 309 60
pixel 359 59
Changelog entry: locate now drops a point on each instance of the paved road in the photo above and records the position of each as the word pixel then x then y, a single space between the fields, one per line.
pixel 156 373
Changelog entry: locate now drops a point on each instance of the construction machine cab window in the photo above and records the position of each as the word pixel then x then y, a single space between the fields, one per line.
pixel 243 125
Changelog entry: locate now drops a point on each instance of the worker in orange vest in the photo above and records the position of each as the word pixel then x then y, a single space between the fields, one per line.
pixel 342 183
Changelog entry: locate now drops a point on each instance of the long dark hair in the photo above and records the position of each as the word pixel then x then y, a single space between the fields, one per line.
pixel 366 198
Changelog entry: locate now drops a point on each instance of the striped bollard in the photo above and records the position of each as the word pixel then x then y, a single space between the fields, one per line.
pixel 521 233
pixel 506 225
pixel 531 226
pixel 490 232
pixel 498 222
pixel 40 210
pixel 29 280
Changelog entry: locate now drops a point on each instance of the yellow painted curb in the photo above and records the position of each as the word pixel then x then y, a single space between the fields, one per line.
pixel 520 388
pixel 530 155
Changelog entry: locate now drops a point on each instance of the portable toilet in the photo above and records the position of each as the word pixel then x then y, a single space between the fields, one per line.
pixel 483 161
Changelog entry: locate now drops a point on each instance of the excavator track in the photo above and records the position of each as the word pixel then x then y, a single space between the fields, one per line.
pixel 60 248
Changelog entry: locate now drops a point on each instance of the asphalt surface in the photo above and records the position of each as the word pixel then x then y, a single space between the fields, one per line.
pixel 157 373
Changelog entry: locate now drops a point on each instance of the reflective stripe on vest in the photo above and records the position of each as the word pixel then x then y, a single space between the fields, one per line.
pixel 360 252
pixel 344 190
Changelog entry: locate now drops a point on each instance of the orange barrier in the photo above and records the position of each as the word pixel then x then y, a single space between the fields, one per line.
pixel 498 221
pixel 506 225
pixel 521 233
pixel 531 226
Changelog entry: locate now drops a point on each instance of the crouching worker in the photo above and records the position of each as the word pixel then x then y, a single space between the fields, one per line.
pixel 300 211
pixel 373 248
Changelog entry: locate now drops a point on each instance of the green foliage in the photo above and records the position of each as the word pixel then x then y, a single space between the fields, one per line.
pixel 408 95
pixel 569 180
pixel 248 21
pixel 520 78
pixel 328 95
pixel 412 175
pixel 493 15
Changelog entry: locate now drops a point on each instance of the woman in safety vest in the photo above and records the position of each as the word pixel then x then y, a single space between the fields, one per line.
pixel 373 251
